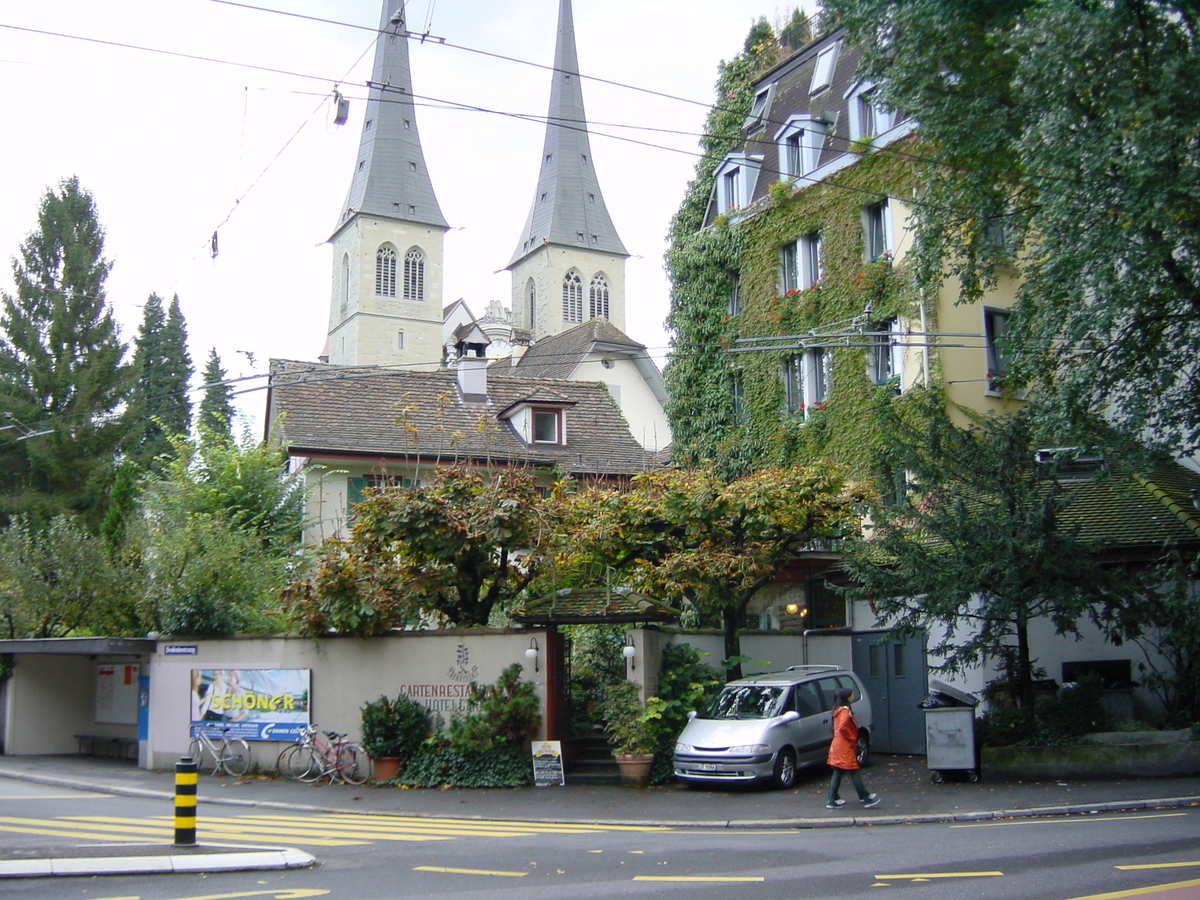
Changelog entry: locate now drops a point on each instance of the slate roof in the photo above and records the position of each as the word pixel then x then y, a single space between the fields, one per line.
pixel 557 356
pixel 582 606
pixel 568 208
pixel 390 178
pixel 381 413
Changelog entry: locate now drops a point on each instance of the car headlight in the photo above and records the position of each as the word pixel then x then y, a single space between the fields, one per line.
pixel 684 748
pixel 751 748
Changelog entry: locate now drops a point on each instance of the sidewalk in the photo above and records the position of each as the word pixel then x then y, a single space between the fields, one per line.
pixel 908 795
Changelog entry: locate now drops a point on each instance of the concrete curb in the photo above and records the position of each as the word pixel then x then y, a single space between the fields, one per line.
pixel 170 864
pixel 832 821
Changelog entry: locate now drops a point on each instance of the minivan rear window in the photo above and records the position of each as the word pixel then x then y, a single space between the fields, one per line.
pixel 745 701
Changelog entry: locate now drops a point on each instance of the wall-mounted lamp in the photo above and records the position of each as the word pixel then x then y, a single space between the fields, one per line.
pixel 532 653
pixel 630 651
pixel 795 609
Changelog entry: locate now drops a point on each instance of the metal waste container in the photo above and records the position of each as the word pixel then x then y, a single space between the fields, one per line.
pixel 950 743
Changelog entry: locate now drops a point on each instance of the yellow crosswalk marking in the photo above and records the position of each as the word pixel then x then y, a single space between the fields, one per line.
pixel 324 830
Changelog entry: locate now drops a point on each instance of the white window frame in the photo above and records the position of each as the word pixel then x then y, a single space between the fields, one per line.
pixel 735 179
pixel 807 378
pixel 546 413
pixel 789 267
pixel 885 359
pixel 868 118
pixel 824 68
pixel 878 214
pixel 808 252
pixel 800 142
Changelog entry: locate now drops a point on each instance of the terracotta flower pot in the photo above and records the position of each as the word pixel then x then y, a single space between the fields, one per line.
pixel 635 770
pixel 386 767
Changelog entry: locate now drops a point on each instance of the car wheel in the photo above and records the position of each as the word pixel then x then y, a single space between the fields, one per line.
pixel 784 775
pixel 862 748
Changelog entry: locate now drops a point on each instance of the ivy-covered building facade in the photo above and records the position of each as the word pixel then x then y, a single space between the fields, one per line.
pixel 797 313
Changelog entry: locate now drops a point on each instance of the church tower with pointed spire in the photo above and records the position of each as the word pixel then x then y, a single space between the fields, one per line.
pixel 386 307
pixel 569 265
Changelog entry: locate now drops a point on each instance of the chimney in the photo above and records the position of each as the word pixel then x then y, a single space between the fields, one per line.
pixel 472 378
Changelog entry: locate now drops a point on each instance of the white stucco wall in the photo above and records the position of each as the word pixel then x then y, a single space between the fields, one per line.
pixel 434 668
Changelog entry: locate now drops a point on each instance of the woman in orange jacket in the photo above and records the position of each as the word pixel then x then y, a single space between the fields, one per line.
pixel 843 752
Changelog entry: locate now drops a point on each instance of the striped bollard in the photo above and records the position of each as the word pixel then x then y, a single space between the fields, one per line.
pixel 185 802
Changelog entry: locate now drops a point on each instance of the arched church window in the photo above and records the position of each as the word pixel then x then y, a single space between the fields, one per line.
pixel 385 272
pixel 531 294
pixel 572 296
pixel 414 274
pixel 598 298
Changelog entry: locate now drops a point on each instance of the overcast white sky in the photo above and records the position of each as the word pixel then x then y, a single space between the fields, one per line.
pixel 173 148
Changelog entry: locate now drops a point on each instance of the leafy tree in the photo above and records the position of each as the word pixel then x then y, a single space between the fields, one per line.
pixel 62 368
pixel 221 537
pixel 693 535
pixel 979 549
pixel 447 549
pixel 1062 134
pixel 59 580
pixel 216 406
pixel 163 368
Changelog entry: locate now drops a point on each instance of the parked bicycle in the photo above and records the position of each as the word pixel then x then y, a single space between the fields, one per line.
pixel 317 755
pixel 225 753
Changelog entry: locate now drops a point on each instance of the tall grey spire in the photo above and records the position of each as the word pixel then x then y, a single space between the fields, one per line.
pixel 568 208
pixel 390 177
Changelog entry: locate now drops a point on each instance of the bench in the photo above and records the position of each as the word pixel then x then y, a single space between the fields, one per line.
pixel 107 745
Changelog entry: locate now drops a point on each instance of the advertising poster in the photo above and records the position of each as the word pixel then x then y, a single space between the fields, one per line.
pixel 256 704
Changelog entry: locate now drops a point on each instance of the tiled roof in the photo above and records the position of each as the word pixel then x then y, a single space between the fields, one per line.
pixel 589 605
pixel 373 412
pixel 1139 513
pixel 559 355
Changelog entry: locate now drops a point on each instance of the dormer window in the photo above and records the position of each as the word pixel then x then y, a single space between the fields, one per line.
pixel 868 118
pixel 735 181
pixel 800 143
pixel 758 109
pixel 547 426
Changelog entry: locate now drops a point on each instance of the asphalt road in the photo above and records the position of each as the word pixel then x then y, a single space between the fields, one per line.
pixel 381 858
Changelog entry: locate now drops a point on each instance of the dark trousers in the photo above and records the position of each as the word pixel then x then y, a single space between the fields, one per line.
pixel 835 783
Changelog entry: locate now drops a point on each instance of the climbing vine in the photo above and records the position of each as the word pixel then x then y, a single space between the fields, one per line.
pixel 705 262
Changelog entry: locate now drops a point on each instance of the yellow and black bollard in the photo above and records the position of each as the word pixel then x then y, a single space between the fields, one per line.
pixel 185 802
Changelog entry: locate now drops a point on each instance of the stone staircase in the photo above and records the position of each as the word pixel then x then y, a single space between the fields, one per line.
pixel 589 760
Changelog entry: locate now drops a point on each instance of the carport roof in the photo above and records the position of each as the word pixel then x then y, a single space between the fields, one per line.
pixel 81 646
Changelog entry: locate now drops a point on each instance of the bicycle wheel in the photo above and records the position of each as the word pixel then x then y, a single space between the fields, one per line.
pixel 297 762
pixel 235 756
pixel 290 762
pixel 196 752
pixel 352 764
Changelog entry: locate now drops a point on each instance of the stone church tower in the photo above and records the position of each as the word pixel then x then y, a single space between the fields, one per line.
pixel 569 266
pixel 386 307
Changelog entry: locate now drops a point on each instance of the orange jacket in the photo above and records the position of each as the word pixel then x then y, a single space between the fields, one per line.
pixel 845 740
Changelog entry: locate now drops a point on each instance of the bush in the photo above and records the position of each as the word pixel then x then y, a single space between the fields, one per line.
pixel 504 715
pixel 1055 721
pixel 448 766
pixel 684 684
pixel 394 727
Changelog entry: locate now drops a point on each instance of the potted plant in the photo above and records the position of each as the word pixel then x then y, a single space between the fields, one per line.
pixel 392 730
pixel 633 730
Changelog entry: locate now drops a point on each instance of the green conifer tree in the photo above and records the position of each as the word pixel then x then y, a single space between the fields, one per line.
pixel 63 375
pixel 216 406
pixel 159 397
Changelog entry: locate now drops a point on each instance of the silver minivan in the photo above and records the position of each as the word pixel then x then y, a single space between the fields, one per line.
pixel 768 726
